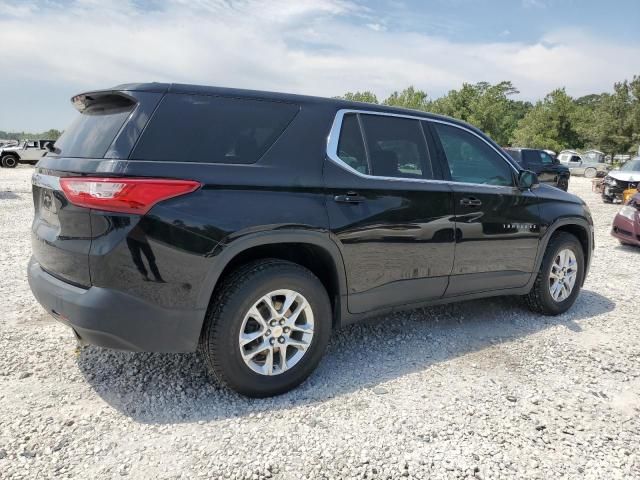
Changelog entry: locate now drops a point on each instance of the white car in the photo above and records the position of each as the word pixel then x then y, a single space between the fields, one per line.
pixel 28 151
pixel 625 178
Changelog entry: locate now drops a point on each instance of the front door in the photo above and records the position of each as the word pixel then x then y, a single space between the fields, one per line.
pixel 390 216
pixel 31 151
pixel 497 224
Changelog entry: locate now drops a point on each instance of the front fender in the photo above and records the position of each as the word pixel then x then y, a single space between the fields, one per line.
pixel 10 152
pixel 580 222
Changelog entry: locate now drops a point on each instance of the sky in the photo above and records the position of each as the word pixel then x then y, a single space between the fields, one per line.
pixel 53 49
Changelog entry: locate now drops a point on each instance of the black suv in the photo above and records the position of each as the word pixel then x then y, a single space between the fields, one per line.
pixel 548 168
pixel 250 224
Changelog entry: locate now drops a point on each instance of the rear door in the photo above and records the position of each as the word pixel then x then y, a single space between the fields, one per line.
pixel 497 224
pixel 389 212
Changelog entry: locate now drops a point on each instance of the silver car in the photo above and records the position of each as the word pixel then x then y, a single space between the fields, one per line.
pixel 580 166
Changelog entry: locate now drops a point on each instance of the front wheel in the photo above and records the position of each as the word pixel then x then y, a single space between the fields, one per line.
pixel 9 161
pixel 563 183
pixel 268 328
pixel 560 277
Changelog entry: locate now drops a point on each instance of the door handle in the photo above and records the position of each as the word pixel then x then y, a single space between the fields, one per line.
pixel 350 197
pixel 470 202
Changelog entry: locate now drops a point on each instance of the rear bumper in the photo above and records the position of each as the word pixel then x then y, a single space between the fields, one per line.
pixel 113 319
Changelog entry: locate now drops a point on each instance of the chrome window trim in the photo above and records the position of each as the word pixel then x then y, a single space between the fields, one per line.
pixel 334 137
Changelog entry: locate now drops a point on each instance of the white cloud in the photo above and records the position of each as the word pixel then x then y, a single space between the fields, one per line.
pixel 319 47
pixel 378 27
pixel 534 4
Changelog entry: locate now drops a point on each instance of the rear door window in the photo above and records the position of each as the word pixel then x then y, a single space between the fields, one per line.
pixel 532 158
pixel 397 147
pixel 202 128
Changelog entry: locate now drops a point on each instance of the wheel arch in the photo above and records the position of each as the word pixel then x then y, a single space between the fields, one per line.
pixel 313 250
pixel 12 153
pixel 576 226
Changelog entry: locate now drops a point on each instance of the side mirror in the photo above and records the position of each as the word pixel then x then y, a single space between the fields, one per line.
pixel 527 179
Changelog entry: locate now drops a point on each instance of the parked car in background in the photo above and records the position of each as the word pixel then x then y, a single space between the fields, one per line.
pixel 617 181
pixel 626 224
pixel 548 169
pixel 583 166
pixel 8 143
pixel 28 151
pixel 286 217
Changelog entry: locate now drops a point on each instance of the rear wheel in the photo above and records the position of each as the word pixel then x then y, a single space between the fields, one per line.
pixel 9 161
pixel 268 328
pixel 560 278
pixel 590 172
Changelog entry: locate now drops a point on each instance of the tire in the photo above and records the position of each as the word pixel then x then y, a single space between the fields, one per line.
pixel 590 172
pixel 230 313
pixel 563 183
pixel 606 199
pixel 9 161
pixel 540 298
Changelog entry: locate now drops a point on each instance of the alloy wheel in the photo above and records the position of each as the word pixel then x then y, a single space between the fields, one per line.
pixel 563 274
pixel 276 332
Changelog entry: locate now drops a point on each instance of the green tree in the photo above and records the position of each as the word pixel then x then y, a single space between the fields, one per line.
pixel 51 134
pixel 408 98
pixel 486 106
pixel 551 123
pixel 366 97
pixel 613 123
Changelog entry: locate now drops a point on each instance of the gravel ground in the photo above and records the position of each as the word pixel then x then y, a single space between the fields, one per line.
pixel 482 389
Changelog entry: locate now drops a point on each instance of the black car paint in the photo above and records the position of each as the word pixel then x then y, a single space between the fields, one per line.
pixel 554 174
pixel 288 196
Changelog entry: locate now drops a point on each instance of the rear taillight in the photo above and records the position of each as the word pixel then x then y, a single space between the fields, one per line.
pixel 124 195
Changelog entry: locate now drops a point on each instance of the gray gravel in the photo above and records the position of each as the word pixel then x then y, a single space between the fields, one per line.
pixel 482 389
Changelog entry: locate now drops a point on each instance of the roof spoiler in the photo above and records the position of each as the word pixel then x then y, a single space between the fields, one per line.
pixel 115 97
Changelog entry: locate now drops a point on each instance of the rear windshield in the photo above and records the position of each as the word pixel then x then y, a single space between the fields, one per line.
pixel 202 128
pixel 92 132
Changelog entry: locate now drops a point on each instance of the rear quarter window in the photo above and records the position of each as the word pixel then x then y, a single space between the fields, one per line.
pixel 208 129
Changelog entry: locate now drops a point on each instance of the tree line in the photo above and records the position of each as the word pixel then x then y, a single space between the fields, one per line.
pixel 51 134
pixel 609 122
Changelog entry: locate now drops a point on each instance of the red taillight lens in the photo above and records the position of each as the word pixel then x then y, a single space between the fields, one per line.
pixel 124 195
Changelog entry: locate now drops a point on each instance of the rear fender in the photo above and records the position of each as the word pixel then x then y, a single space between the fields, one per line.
pixel 226 253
